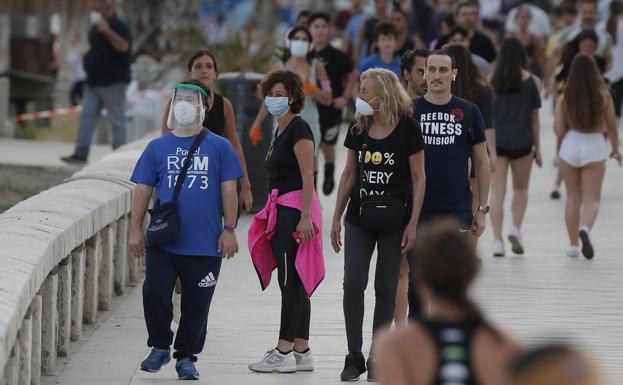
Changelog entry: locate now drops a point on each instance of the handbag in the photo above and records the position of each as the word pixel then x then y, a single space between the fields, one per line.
pixel 379 213
pixel 164 223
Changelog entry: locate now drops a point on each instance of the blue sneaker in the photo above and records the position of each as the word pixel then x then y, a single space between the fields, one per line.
pixel 155 360
pixel 186 369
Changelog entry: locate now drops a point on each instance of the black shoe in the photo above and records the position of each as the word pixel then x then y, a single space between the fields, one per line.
pixel 74 159
pixel 587 246
pixel 329 183
pixel 555 194
pixel 354 367
pixel 371 374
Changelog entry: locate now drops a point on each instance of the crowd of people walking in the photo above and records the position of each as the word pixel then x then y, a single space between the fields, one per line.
pixel 444 106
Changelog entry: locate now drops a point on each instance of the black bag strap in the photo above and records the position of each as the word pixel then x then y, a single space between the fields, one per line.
pixel 362 161
pixel 184 171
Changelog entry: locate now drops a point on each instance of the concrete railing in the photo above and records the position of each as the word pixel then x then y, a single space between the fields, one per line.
pixel 63 255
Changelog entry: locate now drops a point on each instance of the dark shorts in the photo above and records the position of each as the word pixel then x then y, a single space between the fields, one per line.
pixel 514 153
pixel 330 134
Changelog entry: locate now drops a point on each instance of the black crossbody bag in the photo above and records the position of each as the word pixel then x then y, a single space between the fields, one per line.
pixel 164 224
pixel 379 213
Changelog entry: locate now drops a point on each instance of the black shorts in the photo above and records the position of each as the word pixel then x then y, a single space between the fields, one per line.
pixel 329 134
pixel 514 153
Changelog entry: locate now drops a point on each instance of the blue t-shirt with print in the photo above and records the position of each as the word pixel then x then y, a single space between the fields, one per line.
pixel 450 131
pixel 375 61
pixel 200 207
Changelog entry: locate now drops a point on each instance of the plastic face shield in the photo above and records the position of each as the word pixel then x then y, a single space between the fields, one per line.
pixel 187 109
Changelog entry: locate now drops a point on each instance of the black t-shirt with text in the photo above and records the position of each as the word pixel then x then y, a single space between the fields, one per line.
pixel 338 65
pixel 385 165
pixel 449 132
pixel 281 163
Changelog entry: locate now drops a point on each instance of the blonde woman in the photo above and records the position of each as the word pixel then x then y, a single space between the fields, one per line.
pixel 383 184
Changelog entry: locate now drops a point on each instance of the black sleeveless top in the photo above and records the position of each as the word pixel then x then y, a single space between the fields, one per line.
pixel 215 118
pixel 454 344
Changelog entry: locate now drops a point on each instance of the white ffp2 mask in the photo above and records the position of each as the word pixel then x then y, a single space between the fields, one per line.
pixel 299 48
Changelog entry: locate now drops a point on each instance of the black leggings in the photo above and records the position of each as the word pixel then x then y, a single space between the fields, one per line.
pixel 295 304
pixel 358 248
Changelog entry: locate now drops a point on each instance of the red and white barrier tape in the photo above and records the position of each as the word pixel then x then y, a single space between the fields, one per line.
pixel 47 114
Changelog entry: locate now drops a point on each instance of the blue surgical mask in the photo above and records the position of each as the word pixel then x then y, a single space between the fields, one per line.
pixel 278 106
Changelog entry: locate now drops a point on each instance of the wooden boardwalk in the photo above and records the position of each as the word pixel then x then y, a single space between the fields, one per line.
pixel 540 296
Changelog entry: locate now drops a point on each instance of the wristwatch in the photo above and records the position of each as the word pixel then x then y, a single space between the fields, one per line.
pixel 484 208
pixel 229 228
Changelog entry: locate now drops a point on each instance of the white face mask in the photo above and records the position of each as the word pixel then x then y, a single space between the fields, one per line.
pixel 299 48
pixel 185 113
pixel 95 17
pixel 364 108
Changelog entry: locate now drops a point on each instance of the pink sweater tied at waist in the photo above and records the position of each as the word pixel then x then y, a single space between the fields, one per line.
pixel 309 256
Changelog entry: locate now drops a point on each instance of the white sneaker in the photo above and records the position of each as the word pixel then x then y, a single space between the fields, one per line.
pixel 573 251
pixel 274 361
pixel 498 248
pixel 514 236
pixel 177 307
pixel 304 361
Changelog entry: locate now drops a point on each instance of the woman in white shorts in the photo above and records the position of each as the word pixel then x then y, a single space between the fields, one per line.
pixel 584 114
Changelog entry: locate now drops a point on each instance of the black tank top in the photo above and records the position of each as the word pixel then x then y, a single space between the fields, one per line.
pixel 454 343
pixel 215 118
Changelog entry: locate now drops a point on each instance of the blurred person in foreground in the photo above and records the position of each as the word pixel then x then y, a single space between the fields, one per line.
pixel 452 342
pixel 554 364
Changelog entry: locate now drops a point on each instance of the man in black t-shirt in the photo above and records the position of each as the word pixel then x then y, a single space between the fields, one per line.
pixel 341 71
pixel 453 129
pixel 466 15
pixel 107 64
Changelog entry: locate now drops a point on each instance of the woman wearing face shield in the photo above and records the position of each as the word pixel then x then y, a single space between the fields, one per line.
pixel 317 86
pixel 287 233
pixel 384 171
pixel 206 206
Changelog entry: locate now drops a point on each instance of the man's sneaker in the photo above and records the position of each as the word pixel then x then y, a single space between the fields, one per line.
pixel 354 367
pixel 177 307
pixel 155 360
pixel 186 370
pixel 587 246
pixel 74 159
pixel 274 361
pixel 498 248
pixel 329 183
pixel 371 372
pixel 514 236
pixel 304 361
pixel 573 251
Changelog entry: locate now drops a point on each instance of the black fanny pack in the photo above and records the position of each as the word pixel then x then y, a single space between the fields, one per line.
pixel 379 213
pixel 164 224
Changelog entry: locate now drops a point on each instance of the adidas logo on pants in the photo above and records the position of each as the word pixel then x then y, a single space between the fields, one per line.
pixel 208 281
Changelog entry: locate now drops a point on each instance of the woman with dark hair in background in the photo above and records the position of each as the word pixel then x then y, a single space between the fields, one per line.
pixel 472 86
pixel 580 126
pixel 299 58
pixel 452 342
pixel 220 117
pixel 534 45
pixel 517 104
